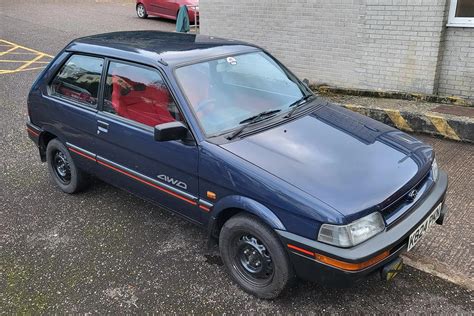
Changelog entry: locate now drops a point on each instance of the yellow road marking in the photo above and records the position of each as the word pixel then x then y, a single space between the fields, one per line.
pixel 25 65
pixel 18 53
pixel 398 120
pixel 13 71
pixel 37 58
pixel 8 50
pixel 443 127
pixel 21 61
pixel 26 48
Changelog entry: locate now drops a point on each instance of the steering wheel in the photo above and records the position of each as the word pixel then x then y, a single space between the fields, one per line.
pixel 204 104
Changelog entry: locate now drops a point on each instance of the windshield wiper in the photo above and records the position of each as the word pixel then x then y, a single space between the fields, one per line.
pixel 297 104
pixel 251 120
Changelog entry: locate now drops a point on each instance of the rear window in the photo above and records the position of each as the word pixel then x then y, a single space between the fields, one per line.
pixel 79 79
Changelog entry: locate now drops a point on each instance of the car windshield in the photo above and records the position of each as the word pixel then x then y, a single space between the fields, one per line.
pixel 225 92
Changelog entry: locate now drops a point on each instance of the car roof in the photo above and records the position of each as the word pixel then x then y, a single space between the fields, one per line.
pixel 167 48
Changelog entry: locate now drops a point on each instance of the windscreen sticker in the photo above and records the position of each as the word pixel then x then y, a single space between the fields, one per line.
pixel 232 60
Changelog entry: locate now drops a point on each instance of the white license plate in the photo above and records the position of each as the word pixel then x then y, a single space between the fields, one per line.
pixel 423 228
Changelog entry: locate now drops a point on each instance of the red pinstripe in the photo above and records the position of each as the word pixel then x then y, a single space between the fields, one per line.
pixel 32 131
pixel 204 208
pixel 147 183
pixel 137 178
pixel 83 155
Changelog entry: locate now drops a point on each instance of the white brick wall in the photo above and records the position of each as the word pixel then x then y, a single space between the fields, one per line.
pixel 316 39
pixel 369 44
pixel 457 64
pixel 401 44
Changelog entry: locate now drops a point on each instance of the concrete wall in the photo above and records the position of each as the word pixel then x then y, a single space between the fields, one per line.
pixel 367 44
pixel 457 64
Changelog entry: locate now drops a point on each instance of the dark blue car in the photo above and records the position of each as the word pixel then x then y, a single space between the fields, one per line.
pixel 220 132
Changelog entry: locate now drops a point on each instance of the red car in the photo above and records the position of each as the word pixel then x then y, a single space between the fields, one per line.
pixel 167 8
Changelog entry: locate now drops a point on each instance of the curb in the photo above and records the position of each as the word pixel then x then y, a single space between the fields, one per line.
pixel 426 123
pixel 461 280
pixel 455 100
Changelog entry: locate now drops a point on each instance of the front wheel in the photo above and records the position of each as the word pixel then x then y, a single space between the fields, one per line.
pixel 141 11
pixel 254 257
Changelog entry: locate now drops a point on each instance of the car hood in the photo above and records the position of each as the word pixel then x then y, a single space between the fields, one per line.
pixel 344 159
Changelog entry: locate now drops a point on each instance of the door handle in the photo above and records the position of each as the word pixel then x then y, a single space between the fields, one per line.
pixel 102 127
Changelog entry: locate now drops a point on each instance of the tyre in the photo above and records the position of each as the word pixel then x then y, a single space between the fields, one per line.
pixel 254 257
pixel 141 11
pixel 62 168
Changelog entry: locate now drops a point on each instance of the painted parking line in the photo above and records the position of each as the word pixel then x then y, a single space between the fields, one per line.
pixel 17 58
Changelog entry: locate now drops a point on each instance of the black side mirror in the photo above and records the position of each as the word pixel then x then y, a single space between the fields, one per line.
pixel 170 131
pixel 306 82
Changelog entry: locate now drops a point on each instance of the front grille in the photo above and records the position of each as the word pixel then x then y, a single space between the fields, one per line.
pixel 404 204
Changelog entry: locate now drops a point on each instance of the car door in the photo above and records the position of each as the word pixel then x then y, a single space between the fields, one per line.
pixel 165 7
pixel 72 100
pixel 135 99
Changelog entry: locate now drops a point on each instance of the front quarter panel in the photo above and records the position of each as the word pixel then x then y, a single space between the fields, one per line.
pixel 240 184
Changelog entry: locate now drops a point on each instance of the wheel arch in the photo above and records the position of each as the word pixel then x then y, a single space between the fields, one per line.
pixel 232 205
pixel 44 138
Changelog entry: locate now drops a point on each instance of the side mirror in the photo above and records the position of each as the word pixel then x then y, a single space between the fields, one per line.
pixel 306 82
pixel 170 131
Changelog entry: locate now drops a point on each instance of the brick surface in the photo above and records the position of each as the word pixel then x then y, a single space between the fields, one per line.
pixel 457 64
pixel 449 247
pixel 369 44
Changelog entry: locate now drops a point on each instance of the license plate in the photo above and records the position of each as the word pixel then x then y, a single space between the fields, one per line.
pixel 423 228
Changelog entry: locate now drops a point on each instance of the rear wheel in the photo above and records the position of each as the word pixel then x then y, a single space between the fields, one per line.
pixel 254 257
pixel 141 11
pixel 62 168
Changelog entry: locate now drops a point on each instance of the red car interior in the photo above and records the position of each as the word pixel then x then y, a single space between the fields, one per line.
pixel 147 105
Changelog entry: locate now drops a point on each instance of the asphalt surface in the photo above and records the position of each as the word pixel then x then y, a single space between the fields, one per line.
pixel 105 250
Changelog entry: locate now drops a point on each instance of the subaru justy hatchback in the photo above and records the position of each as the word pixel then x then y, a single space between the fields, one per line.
pixel 221 133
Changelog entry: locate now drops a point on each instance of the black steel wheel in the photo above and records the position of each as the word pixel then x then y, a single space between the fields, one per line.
pixel 63 169
pixel 252 260
pixel 254 256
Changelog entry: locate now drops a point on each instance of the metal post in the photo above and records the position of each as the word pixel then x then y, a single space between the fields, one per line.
pixel 194 7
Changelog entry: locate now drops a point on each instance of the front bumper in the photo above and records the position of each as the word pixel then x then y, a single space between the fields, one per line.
pixel 304 253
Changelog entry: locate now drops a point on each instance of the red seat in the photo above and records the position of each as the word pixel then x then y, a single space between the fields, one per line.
pixel 148 106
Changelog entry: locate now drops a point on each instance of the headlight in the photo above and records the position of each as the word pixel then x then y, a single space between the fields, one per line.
pixel 353 233
pixel 434 170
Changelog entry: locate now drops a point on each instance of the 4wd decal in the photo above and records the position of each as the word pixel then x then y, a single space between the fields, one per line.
pixel 173 181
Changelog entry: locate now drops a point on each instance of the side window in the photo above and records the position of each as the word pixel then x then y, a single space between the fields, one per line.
pixel 139 94
pixel 79 80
